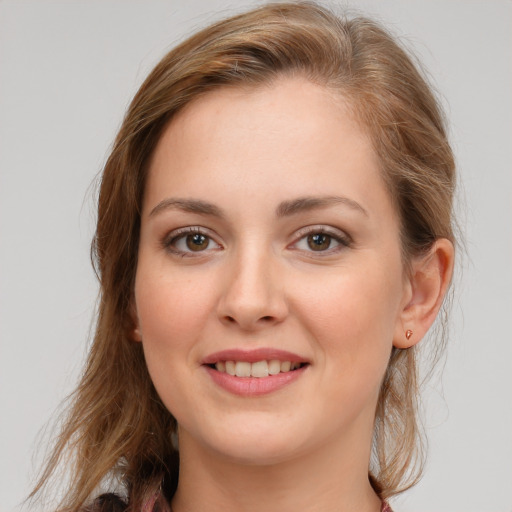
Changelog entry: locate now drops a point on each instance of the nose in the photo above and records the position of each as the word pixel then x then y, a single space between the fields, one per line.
pixel 253 296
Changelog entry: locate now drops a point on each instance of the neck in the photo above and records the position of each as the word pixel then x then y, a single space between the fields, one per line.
pixel 327 479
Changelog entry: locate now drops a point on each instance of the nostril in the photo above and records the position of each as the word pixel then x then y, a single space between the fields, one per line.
pixel 266 318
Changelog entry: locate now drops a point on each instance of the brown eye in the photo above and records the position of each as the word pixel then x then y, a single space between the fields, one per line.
pixel 319 241
pixel 190 241
pixel 197 242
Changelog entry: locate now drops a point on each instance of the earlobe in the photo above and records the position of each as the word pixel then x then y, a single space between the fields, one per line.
pixel 135 332
pixel 428 283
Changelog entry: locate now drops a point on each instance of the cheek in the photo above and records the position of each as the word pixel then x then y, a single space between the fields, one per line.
pixel 352 315
pixel 173 313
pixel 172 310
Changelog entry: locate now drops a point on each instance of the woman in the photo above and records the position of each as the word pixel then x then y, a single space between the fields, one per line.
pixel 274 238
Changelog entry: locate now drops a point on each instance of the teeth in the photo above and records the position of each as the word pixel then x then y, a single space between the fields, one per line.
pixel 274 367
pixel 230 367
pixel 258 369
pixel 242 369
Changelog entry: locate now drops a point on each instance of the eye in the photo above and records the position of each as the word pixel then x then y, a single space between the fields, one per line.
pixel 186 241
pixel 321 240
pixel 196 242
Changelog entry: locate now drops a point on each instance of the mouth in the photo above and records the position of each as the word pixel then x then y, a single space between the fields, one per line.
pixel 258 369
pixel 255 372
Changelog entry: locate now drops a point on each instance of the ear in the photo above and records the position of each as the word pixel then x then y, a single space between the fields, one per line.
pixel 426 288
pixel 136 334
pixel 134 330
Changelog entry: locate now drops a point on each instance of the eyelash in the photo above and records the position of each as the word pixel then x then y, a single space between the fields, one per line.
pixel 181 234
pixel 343 240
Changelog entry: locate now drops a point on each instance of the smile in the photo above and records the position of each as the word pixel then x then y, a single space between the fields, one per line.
pixel 258 369
pixel 255 372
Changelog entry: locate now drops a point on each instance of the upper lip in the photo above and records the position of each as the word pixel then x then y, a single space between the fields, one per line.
pixel 253 356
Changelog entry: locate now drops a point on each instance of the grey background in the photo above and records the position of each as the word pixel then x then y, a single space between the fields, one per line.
pixel 67 72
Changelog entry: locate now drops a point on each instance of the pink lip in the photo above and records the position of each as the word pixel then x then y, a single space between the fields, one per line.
pixel 254 386
pixel 253 356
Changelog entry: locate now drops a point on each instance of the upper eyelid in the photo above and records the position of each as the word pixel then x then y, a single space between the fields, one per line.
pixel 189 229
pixel 183 231
pixel 320 228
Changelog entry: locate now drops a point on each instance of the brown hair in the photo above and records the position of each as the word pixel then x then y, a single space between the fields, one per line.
pixel 117 426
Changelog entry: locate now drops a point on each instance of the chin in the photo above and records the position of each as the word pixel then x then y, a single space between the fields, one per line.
pixel 259 453
pixel 251 442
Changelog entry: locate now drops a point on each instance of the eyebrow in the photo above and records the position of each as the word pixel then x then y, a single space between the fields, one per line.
pixel 187 205
pixel 285 209
pixel 304 204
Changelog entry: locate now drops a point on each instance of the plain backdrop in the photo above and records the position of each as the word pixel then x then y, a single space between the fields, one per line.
pixel 67 72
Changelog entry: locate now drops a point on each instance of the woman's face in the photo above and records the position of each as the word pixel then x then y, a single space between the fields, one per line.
pixel 268 242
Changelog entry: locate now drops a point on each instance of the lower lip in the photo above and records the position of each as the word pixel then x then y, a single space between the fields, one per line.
pixel 254 386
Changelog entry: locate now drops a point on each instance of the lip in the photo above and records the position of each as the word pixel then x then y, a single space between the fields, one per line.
pixel 253 356
pixel 254 386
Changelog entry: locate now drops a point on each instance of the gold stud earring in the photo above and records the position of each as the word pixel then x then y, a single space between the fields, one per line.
pixel 408 334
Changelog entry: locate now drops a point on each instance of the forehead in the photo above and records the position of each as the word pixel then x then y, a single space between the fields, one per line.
pixel 287 109
pixel 290 136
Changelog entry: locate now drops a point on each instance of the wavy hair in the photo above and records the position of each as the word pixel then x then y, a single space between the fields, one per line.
pixel 117 427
